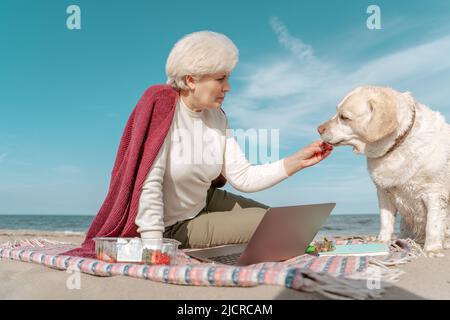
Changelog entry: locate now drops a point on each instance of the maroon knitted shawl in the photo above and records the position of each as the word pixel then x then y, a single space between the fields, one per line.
pixel 141 141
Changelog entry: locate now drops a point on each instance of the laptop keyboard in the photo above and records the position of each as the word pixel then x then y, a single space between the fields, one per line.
pixel 230 259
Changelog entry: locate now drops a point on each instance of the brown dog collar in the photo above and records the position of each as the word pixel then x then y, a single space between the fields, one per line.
pixel 402 138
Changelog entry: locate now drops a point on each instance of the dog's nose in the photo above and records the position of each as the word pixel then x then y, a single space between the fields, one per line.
pixel 321 129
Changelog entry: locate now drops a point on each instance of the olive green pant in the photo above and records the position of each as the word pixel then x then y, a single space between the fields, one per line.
pixel 226 219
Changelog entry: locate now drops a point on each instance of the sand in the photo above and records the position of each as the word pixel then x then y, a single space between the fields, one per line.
pixel 424 278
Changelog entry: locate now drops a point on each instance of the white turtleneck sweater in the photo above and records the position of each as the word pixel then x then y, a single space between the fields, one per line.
pixel 197 149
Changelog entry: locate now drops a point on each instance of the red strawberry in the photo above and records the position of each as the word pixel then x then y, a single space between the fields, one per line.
pixel 165 259
pixel 156 256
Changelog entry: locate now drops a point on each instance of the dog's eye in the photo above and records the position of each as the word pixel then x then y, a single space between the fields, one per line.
pixel 342 117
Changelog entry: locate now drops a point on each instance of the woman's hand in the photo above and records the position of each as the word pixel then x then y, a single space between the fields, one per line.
pixel 308 156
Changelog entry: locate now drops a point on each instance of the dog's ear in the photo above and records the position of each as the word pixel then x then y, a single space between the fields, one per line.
pixel 383 119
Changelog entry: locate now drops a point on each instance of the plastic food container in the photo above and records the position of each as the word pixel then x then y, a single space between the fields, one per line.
pixel 159 252
pixel 133 250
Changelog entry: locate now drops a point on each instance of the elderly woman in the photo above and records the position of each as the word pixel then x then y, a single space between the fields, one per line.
pixel 177 199
pixel 176 151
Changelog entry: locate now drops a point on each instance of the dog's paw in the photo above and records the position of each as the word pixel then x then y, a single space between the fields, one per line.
pixel 384 238
pixel 434 254
pixel 447 244
pixel 433 250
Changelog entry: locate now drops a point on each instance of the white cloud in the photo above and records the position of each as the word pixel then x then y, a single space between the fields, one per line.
pixel 301 50
pixel 397 68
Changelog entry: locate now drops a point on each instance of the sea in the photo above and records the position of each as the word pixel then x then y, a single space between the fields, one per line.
pixel 336 225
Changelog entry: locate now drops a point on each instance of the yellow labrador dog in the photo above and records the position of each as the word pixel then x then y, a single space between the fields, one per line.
pixel 407 146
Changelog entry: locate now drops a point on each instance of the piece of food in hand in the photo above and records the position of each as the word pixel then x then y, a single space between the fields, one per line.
pixel 326 147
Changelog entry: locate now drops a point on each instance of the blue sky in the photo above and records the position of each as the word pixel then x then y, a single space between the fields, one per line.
pixel 65 95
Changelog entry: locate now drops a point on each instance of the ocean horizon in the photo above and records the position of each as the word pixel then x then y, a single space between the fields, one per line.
pixel 337 224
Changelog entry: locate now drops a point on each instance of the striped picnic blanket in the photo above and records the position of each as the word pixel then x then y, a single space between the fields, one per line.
pixel 333 276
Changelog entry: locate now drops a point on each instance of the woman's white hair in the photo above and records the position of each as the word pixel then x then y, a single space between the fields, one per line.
pixel 200 53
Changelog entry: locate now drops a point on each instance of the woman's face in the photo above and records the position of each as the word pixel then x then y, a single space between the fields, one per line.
pixel 209 91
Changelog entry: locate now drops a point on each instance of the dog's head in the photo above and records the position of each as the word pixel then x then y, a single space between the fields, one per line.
pixel 365 116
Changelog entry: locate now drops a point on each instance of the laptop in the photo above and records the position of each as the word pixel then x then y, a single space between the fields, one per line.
pixel 283 233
